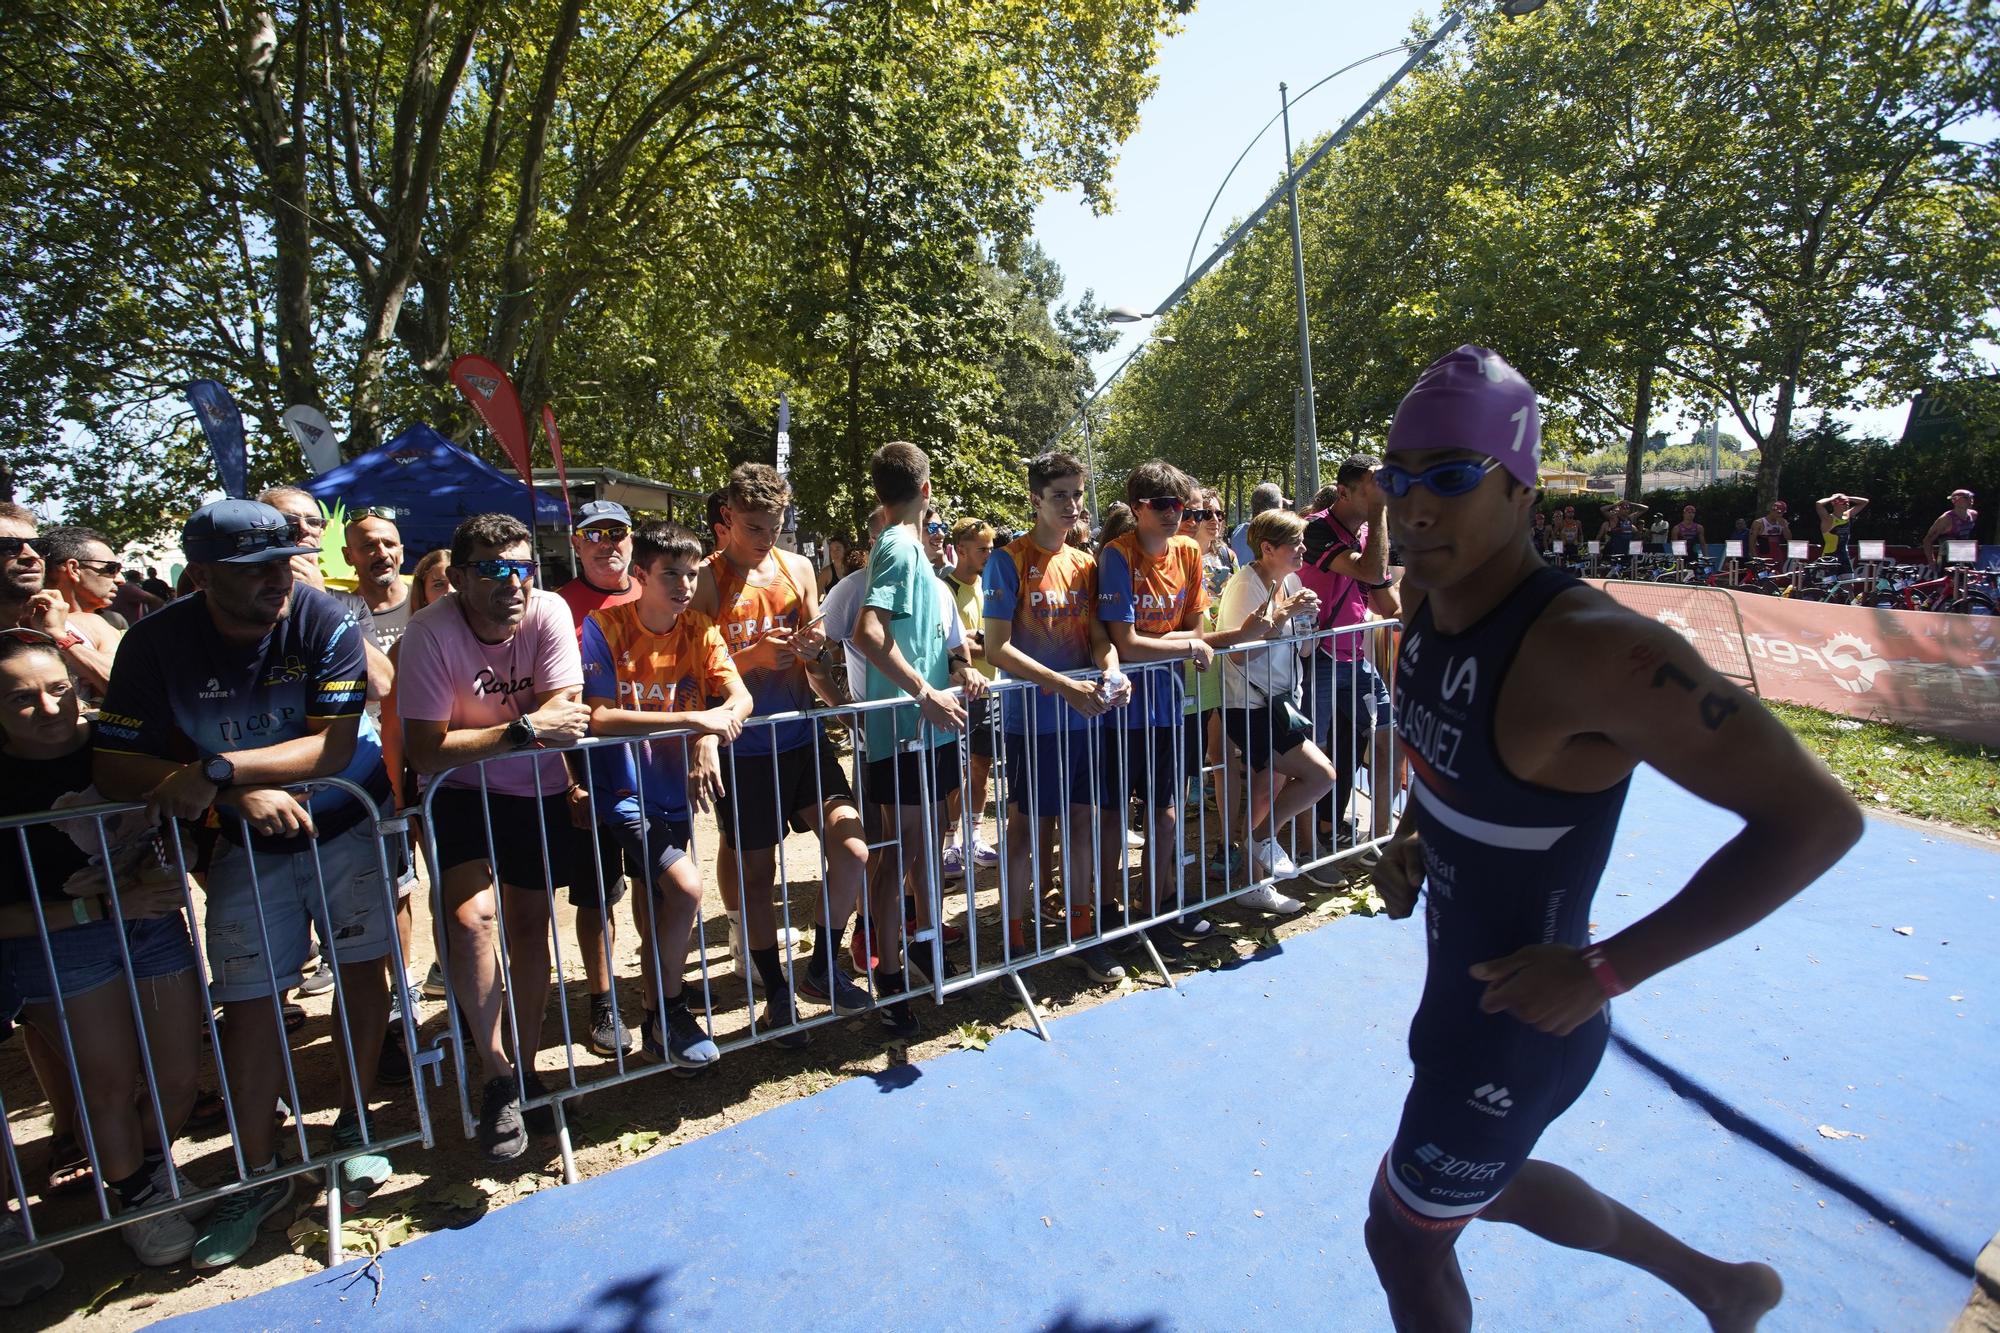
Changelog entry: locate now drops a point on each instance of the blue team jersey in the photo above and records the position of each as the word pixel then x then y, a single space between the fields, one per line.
pixel 180 692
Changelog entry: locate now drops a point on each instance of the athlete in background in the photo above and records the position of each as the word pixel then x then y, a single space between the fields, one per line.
pixel 1524 700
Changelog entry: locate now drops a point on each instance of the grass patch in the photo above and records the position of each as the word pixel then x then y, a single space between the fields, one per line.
pixel 1892 768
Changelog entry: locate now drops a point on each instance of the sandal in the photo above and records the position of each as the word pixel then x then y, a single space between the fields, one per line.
pixel 69 1166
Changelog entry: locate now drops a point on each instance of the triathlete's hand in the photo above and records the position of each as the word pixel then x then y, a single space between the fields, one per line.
pixel 1546 986
pixel 1399 874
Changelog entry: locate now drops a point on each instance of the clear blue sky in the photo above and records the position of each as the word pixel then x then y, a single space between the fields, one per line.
pixel 1218 85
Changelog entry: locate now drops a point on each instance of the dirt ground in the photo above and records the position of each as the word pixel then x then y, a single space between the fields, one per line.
pixel 452 1184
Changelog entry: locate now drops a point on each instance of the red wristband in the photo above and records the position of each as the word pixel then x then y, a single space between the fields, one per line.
pixel 1602 972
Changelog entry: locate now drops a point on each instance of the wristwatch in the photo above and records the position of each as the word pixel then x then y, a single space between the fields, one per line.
pixel 69 639
pixel 218 770
pixel 520 733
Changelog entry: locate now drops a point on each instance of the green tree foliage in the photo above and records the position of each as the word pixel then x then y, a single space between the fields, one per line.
pixel 1727 203
pixel 656 216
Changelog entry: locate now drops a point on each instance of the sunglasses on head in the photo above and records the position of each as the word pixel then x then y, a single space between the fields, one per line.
pixel 1163 504
pixel 610 533
pixel 496 570
pixel 372 511
pixel 1458 477
pixel 12 547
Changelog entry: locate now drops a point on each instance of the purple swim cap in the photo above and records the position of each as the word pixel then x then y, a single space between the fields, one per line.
pixel 1472 399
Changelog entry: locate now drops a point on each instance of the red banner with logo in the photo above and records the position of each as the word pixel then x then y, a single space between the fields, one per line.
pixel 555 448
pixel 1929 671
pixel 492 396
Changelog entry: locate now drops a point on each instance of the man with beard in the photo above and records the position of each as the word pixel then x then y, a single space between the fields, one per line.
pixel 223 700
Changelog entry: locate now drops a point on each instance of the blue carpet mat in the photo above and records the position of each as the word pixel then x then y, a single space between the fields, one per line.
pixel 1200 1159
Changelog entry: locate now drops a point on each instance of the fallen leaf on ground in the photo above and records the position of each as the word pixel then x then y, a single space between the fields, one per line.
pixel 461 1195
pixel 1915 976
pixel 1906 930
pixel 973 1036
pixel 1829 1132
pixel 637 1141
pixel 97 1301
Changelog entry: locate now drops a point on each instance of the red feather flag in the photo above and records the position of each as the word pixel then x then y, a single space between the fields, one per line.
pixel 492 396
pixel 555 448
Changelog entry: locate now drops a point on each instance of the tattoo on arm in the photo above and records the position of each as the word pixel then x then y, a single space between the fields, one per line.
pixel 1715 708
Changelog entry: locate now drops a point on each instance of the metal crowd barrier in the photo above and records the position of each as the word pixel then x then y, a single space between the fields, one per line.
pixel 171 857
pixel 1182 885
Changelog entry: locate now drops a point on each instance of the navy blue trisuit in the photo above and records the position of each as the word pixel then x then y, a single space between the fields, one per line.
pixel 1507 864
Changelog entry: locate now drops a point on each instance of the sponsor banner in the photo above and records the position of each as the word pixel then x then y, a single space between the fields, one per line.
pixel 1929 671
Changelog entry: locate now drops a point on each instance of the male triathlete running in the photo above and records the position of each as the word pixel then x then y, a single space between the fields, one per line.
pixel 1524 700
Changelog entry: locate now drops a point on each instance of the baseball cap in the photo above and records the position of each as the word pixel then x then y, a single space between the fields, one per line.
pixel 602 511
pixel 1472 399
pixel 239 532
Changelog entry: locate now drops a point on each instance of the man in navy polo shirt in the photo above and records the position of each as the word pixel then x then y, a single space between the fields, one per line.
pixel 220 701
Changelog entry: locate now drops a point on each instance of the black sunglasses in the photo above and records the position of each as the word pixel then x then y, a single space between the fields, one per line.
pixel 1164 504
pixel 386 512
pixel 11 547
pixel 1200 515
pixel 109 569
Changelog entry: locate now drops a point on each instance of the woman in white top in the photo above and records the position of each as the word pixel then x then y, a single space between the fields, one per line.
pixel 1260 695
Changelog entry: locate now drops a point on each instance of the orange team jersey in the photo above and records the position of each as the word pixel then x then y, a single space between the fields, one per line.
pixel 1155 597
pixel 747 614
pixel 1051 598
pixel 626 665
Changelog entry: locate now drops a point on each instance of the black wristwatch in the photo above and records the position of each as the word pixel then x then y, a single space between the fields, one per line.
pixel 218 770
pixel 520 733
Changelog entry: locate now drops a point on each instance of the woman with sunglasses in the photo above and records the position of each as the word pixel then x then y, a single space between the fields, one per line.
pixel 1203 522
pixel 1525 699
pixel 839 563
pixel 46 748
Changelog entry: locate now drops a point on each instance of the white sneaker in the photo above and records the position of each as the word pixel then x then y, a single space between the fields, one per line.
pixel 161 1239
pixel 954 862
pixel 985 853
pixel 194 1212
pixel 1265 898
pixel 1272 863
pixel 1134 840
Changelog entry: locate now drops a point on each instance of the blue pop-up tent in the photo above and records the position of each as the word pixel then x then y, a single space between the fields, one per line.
pixel 432 484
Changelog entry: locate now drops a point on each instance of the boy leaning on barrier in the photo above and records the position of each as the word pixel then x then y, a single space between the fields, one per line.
pixel 492 672
pixel 1041 621
pixel 1150 598
pixel 649 665
pixel 903 634
pixel 221 701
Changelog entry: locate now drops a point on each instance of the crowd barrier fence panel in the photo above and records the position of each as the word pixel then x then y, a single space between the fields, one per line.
pixel 169 854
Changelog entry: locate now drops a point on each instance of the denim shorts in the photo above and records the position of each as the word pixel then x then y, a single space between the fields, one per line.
pixel 88 956
pixel 355 916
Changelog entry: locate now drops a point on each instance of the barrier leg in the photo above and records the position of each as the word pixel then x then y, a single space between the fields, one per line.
pixel 334 1256
pixel 570 1174
pixel 1159 963
pixel 1028 1003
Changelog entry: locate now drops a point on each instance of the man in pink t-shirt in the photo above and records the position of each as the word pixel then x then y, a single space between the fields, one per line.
pixel 1347 564
pixel 491 672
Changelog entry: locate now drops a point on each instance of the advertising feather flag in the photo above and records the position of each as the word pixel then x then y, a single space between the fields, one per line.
pixel 223 425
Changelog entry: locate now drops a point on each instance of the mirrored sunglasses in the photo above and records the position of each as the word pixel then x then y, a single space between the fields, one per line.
pixel 496 570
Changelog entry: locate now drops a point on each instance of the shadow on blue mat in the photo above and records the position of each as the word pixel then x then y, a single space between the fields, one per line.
pixel 633 1305
pixel 1750 1131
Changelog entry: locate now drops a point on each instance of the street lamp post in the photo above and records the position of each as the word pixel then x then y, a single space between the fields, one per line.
pixel 1307 443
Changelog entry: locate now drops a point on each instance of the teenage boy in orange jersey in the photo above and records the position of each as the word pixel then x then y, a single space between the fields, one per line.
pixel 785 773
pixel 1041 621
pixel 650 664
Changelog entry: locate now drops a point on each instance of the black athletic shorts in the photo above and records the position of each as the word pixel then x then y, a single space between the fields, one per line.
pixel 899 778
pixel 982 729
pixel 593 874
pixel 758 803
pixel 1265 733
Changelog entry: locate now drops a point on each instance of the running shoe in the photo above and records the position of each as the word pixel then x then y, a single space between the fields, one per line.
pixel 318 981
pixel 897 1019
pixel 1265 898
pixel 985 853
pixel 781 1011
pixel 232 1227
pixel 954 862
pixel 688 1047
pixel 194 1212
pixel 1272 863
pixel 502 1135
pixel 362 1174
pixel 23 1277
pixel 950 934
pixel 1225 863
pixel 1100 964
pixel 434 982
pixel 1134 839
pixel 1332 875
pixel 1190 929
pixel 857 950
pixel 161 1238
pixel 393 1068
pixel 845 997
pixel 607 1035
